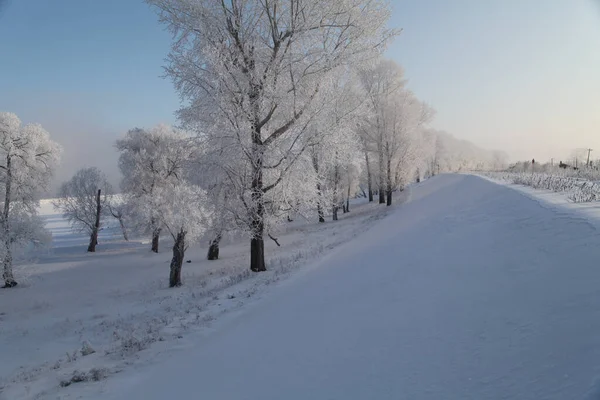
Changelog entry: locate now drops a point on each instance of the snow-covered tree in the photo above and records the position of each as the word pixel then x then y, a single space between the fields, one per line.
pixel 120 211
pixel 394 128
pixel 256 73
pixel 365 147
pixel 183 210
pixel 352 172
pixel 336 161
pixel 428 162
pixel 84 200
pixel 379 82
pixel 221 195
pixel 403 139
pixel 453 155
pixel 27 160
pixel 335 146
pixel 151 159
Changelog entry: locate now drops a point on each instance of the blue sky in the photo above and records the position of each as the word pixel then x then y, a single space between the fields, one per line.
pixel 518 75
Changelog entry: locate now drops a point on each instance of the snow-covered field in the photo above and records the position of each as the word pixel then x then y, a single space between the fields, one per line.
pixel 578 188
pixel 118 302
pixel 468 290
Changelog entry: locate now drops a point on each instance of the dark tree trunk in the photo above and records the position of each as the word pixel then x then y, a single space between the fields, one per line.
pixel 336 178
pixel 320 212
pixel 348 200
pixel 7 275
pixel 177 260
pixel 155 239
pixel 389 182
pixel 96 228
pixel 369 179
pixel 7 272
pixel 93 241
pixel 213 249
pixel 257 244
pixel 381 176
pixel 257 254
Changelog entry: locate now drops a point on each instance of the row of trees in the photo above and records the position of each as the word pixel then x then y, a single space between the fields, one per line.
pixel 158 193
pixel 290 109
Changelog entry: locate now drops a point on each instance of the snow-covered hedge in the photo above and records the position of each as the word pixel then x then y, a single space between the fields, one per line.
pixel 578 189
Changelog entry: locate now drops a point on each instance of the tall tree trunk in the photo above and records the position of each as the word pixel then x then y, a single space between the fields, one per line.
pixel 257 251
pixel 257 244
pixel 177 260
pixel 93 241
pixel 348 199
pixel 369 178
pixel 320 213
pixel 155 237
pixel 336 178
pixel 96 228
pixel 213 248
pixel 381 177
pixel 389 182
pixel 7 274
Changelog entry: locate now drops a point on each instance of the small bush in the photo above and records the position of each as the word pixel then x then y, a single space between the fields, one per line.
pixel 93 375
pixel 86 349
pixel 133 344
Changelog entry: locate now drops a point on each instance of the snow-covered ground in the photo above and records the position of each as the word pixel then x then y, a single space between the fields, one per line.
pixel 471 290
pixel 118 300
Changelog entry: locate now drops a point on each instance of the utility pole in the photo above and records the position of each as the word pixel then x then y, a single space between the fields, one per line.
pixel 588 160
pixel 552 162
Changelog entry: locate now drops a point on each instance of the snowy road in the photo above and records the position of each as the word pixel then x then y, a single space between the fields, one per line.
pixel 470 291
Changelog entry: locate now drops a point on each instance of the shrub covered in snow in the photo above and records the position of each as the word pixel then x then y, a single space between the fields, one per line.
pixel 93 375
